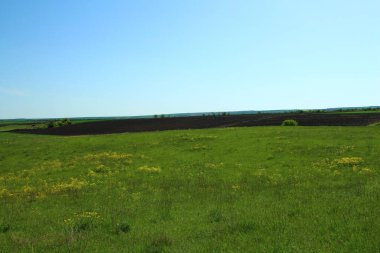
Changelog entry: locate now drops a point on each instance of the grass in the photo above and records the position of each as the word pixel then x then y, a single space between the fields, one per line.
pixel 356 112
pixel 13 127
pixel 262 189
pixel 20 126
pixel 375 124
pixel 8 125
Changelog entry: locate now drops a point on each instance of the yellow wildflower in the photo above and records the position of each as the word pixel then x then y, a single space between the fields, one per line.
pixel 153 170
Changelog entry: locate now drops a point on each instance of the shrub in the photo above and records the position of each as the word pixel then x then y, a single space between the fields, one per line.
pixel 59 123
pixel 289 122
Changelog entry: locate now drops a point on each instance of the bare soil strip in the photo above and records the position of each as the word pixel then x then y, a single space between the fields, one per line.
pixel 159 124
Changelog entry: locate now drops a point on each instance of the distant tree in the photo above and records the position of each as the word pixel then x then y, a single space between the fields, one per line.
pixel 58 123
pixel 66 122
pixel 50 124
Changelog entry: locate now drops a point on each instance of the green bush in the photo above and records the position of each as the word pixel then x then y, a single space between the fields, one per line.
pixel 289 122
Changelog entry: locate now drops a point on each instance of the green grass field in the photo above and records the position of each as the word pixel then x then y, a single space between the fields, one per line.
pixel 259 189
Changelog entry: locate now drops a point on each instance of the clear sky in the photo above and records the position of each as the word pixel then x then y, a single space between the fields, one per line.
pixel 127 57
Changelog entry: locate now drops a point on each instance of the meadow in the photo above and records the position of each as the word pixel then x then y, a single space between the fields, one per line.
pixel 249 189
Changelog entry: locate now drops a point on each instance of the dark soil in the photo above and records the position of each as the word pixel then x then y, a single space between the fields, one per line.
pixel 158 124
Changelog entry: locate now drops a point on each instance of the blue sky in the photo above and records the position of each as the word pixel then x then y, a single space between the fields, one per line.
pixel 114 58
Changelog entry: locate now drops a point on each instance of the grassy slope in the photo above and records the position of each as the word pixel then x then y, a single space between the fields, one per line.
pixel 354 112
pixel 13 127
pixel 4 128
pixel 256 189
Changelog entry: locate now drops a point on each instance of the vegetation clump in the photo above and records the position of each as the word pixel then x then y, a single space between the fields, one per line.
pixel 82 221
pixel 215 216
pixel 4 227
pixel 59 123
pixel 122 227
pixel 158 244
pixel 289 122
